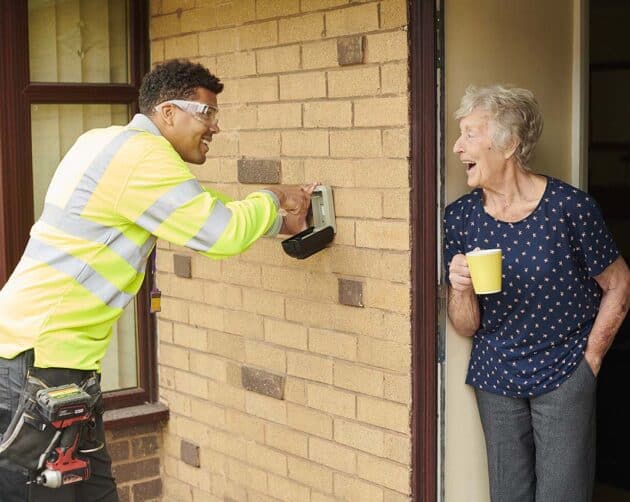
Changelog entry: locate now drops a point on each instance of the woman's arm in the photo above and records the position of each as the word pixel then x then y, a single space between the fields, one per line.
pixel 615 284
pixel 463 306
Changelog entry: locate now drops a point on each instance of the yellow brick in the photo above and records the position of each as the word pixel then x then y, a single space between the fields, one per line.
pixel 310 367
pixel 358 378
pixel 295 390
pixel 396 204
pixel 332 343
pixel 359 19
pixel 353 81
pixel 164 262
pixel 381 112
pixel 246 475
pixel 382 413
pixel 392 496
pixel 384 472
pixel 226 443
pixel 356 143
pixel 202 19
pixel 303 85
pixel 308 420
pixel 266 407
pixel 322 286
pixel 358 203
pixel 265 356
pixel 396 143
pixel 207 413
pixel 398 448
pixel 232 12
pixel 355 490
pixel 173 356
pixel 174 310
pixel 165 331
pixel 284 280
pixel 387 295
pixel 157 51
pixel 393 13
pixel 360 437
pixel 181 47
pixel 155 7
pixel 205 268
pixel 328 114
pixel 286 490
pixel 215 293
pixel 383 234
pixel 174 5
pixel 308 5
pixel 285 439
pixel 217 41
pixel 245 425
pixel 194 476
pixel 305 143
pixel 237 117
pixel 194 385
pixel 258 89
pixel 300 29
pixel 225 395
pixel 319 55
pixel 394 78
pixel 243 323
pixel 263 302
pixel 267 458
pixel 310 474
pixel 237 64
pixel 224 145
pixel 292 171
pixel 208 366
pixel 398 388
pixel 167 377
pixel 288 334
pixel 390 46
pixel 279 116
pixel 330 171
pixel 178 403
pixel 385 354
pixel 320 497
pixel 332 455
pixel 226 345
pixel 190 337
pixel 260 144
pixel 258 35
pixel 206 316
pixel 332 401
pixel 276 8
pixel 397 173
pixel 165 26
pixel 279 59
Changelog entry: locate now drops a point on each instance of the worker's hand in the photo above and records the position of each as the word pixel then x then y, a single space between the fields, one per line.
pixel 459 274
pixel 295 201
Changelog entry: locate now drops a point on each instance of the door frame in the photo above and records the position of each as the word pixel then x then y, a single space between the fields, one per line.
pixel 422 33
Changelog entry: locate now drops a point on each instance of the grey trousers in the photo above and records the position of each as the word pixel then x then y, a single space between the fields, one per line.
pixel 542 449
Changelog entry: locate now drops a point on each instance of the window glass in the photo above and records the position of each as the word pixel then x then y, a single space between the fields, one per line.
pixel 54 129
pixel 78 41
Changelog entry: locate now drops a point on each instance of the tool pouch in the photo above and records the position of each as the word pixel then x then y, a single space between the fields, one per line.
pixel 31 437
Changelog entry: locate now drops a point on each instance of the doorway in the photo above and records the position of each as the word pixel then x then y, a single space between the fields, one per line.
pixel 609 182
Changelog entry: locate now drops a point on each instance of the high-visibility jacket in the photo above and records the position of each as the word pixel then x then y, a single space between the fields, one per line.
pixel 114 192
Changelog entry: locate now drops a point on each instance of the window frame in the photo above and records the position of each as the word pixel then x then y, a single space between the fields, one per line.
pixel 16 173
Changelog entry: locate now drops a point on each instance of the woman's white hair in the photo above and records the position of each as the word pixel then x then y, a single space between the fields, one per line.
pixel 514 113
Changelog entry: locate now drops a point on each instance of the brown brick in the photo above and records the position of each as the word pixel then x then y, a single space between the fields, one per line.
pixel 351 293
pixel 262 382
pixel 147 490
pixel 144 446
pixel 350 50
pixel 118 450
pixel 182 266
pixel 136 470
pixel 259 171
pixel 189 453
pixel 124 493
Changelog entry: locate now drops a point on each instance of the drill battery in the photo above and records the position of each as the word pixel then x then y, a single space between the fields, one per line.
pixel 64 405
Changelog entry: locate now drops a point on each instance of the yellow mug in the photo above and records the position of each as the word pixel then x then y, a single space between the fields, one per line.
pixel 485 270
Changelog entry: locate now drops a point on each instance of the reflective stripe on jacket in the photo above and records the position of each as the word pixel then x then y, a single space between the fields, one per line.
pixel 114 192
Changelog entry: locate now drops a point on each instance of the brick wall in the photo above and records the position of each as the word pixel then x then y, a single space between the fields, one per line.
pixel 136 462
pixel 290 380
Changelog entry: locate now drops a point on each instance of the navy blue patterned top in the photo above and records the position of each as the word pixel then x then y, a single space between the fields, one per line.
pixel 534 332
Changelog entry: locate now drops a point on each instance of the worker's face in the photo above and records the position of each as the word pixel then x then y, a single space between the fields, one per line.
pixel 190 133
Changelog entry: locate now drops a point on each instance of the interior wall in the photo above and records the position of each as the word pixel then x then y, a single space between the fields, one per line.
pixel 527 43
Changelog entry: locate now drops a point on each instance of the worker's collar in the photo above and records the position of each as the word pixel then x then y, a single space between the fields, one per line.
pixel 144 123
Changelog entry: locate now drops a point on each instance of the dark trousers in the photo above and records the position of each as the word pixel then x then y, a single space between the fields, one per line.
pixel 542 449
pixel 13 479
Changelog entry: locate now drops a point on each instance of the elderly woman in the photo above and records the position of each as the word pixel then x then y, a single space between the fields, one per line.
pixel 539 343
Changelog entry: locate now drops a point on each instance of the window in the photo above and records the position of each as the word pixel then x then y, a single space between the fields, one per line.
pixel 83 68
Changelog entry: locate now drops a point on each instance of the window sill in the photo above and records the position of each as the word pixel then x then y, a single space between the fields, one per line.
pixel 135 415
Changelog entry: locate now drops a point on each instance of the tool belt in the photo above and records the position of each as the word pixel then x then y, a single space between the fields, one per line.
pixel 45 412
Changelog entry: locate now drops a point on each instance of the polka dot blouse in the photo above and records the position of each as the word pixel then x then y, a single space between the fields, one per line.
pixel 534 332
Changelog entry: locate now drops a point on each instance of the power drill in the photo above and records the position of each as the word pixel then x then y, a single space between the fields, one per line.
pixel 66 408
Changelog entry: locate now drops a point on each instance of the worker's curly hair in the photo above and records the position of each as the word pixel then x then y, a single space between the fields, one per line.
pixel 175 79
